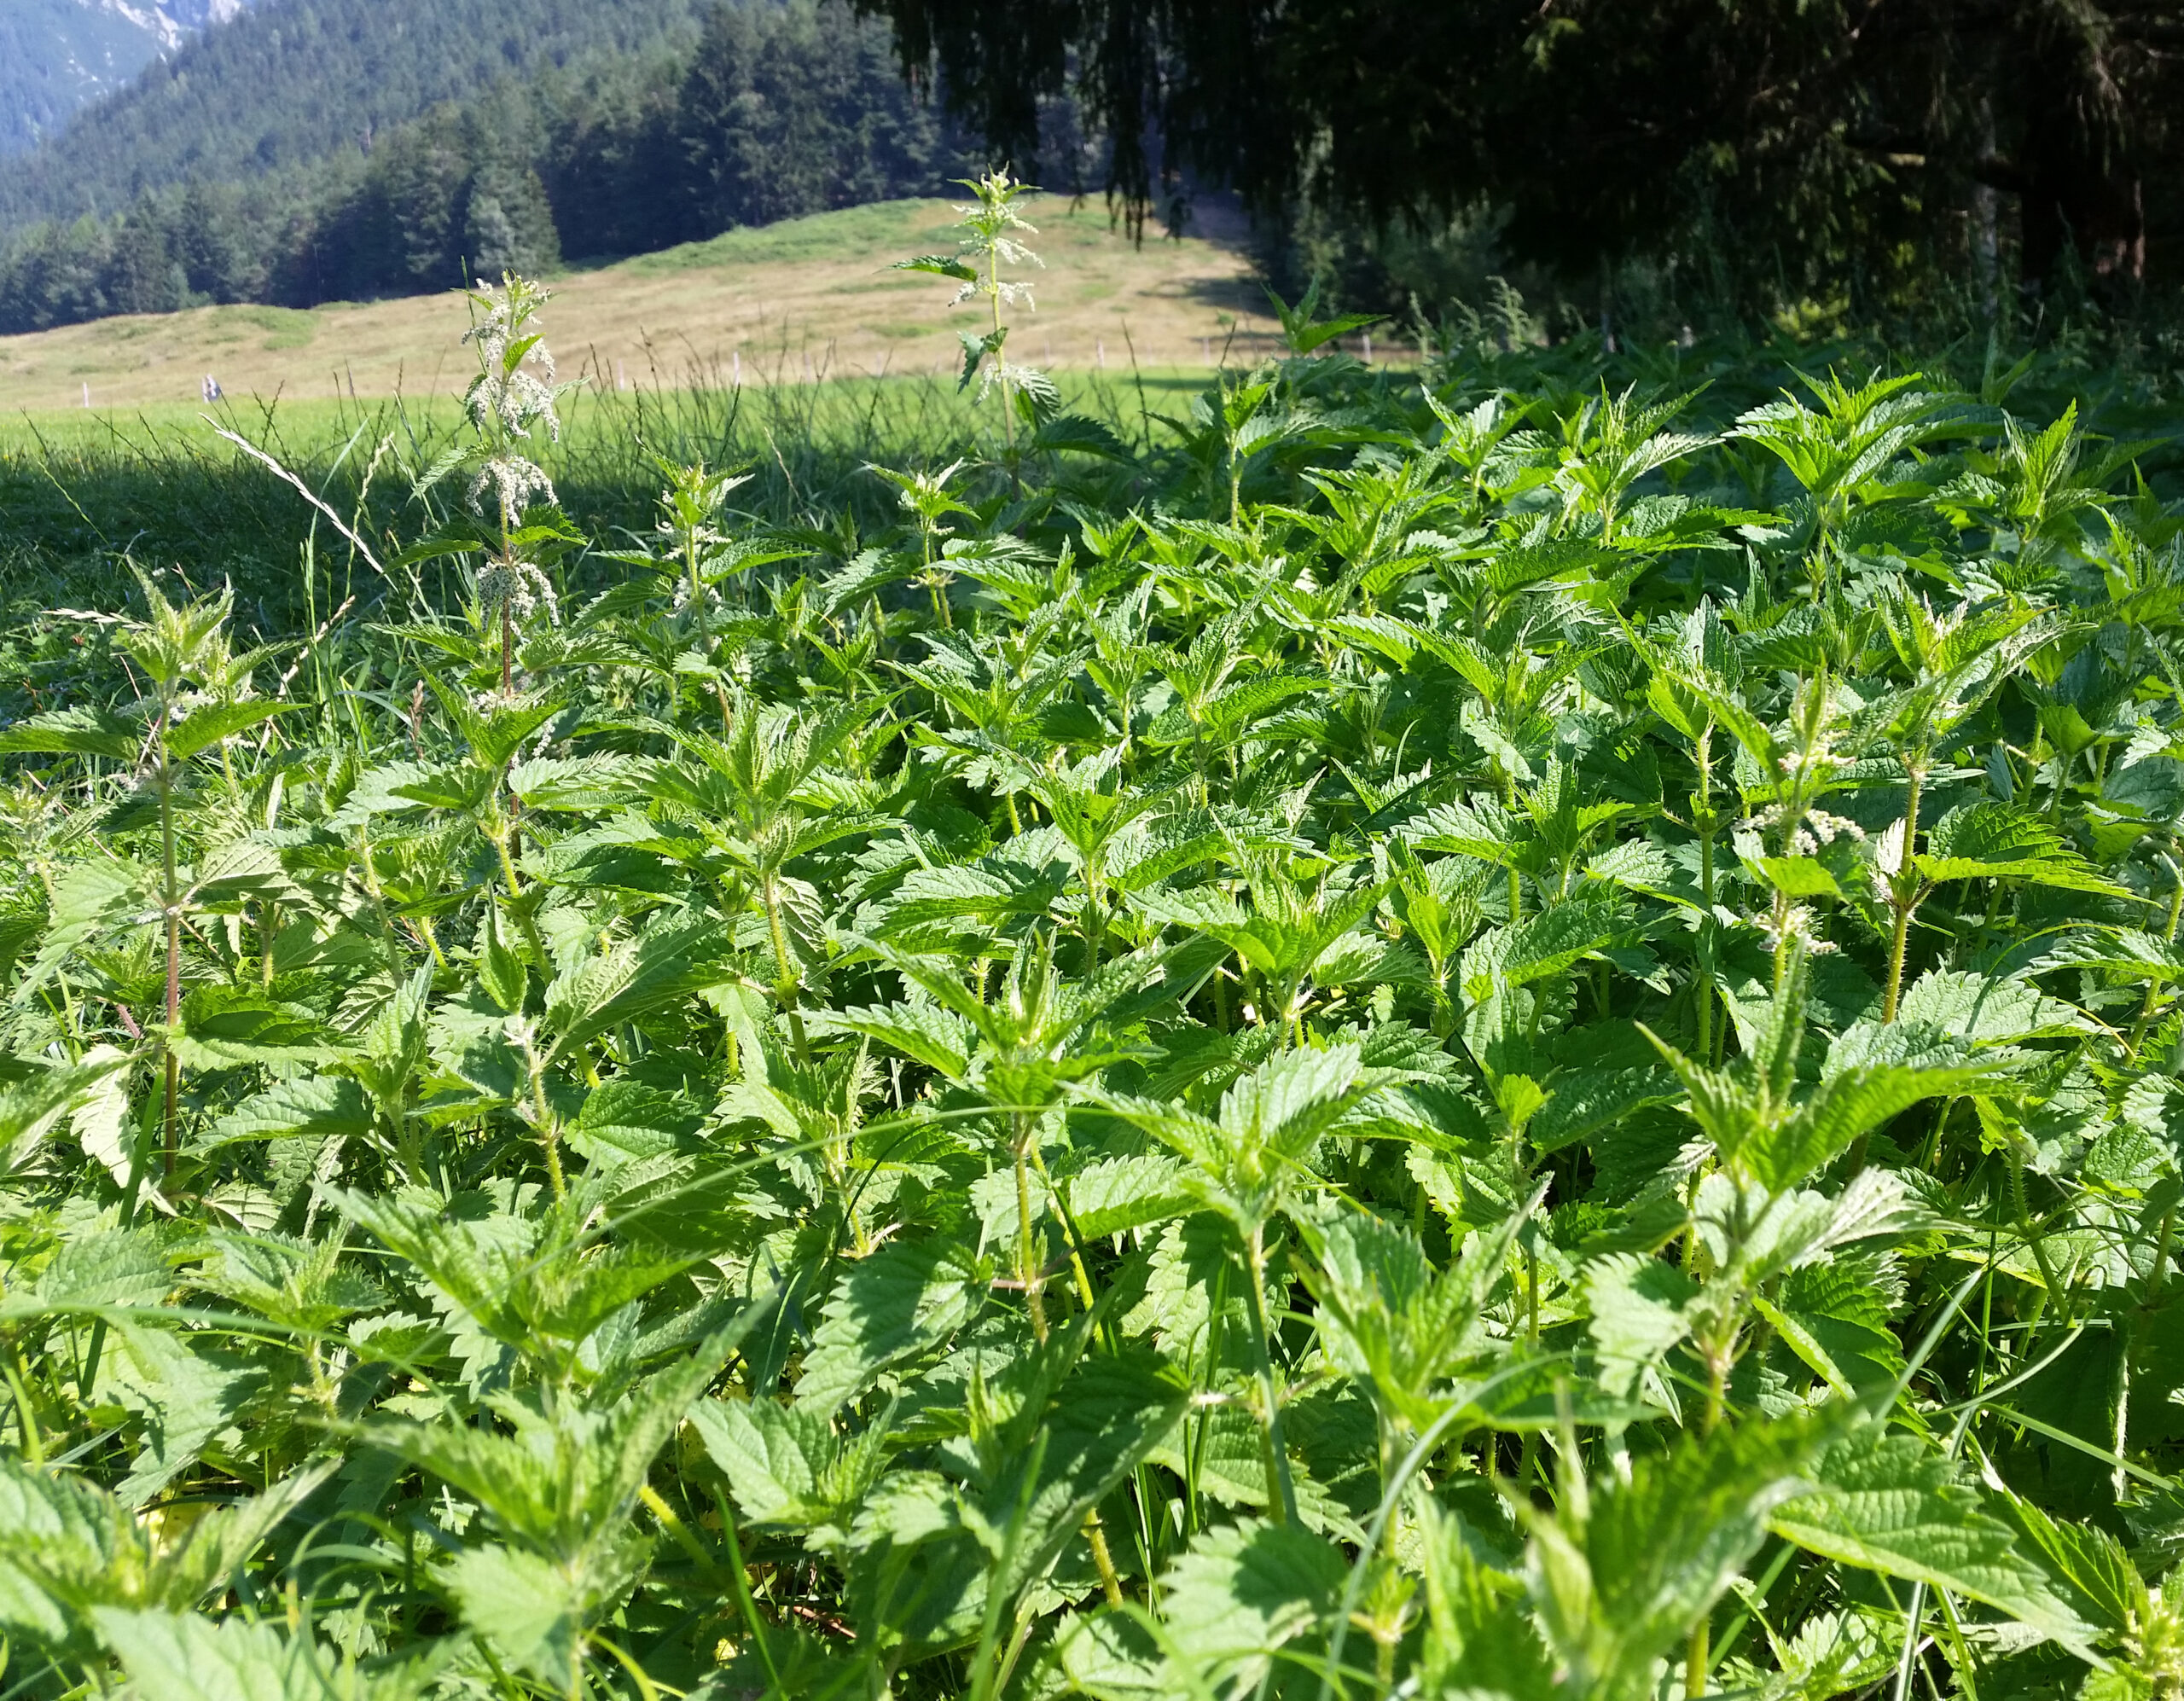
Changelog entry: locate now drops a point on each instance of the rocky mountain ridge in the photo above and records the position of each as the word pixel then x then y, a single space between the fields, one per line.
pixel 58 56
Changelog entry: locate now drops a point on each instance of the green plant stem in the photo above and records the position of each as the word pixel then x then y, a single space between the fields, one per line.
pixel 507 646
pixel 1903 885
pixel 1704 821
pixel 171 899
pixel 680 1532
pixel 25 1413
pixel 2154 986
pixel 1078 1268
pixel 1095 1537
pixel 786 989
pixel 1027 1269
pixel 1516 880
pixel 507 864
pixel 1696 1663
pixel 549 1132
pixel 1281 1491
pixel 775 1688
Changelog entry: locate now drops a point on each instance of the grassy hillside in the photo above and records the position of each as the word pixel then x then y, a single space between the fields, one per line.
pixel 806 298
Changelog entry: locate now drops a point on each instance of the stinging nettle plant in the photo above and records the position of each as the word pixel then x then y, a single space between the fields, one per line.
pixel 1507 1031
pixel 987 245
pixel 510 405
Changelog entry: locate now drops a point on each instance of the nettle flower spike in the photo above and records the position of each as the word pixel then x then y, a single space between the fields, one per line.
pixel 521 586
pixel 512 397
pixel 506 392
pixel 985 248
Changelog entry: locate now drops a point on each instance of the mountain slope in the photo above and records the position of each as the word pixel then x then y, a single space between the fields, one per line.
pixel 56 56
pixel 295 80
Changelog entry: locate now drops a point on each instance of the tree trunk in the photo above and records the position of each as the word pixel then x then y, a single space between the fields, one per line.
pixel 2083 209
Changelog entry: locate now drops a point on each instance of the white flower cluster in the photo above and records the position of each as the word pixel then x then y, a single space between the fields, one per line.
pixel 517 399
pixel 1815 827
pixel 523 588
pixel 183 704
pixel 1798 924
pixel 514 481
pixel 683 599
pixel 1820 761
pixel 509 398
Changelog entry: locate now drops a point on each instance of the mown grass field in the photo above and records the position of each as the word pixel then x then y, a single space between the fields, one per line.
pixel 790 303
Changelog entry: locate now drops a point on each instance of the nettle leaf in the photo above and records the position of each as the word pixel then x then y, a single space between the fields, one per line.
pixel 1105 1418
pixel 181 1395
pixel 2086 1567
pixel 1476 1640
pixel 75 732
pixel 1076 433
pixel 89 898
pixel 188 1658
pixel 60 1540
pixel 1653 1553
pixel 1287 1102
pixel 1538 947
pixel 2001 841
pixel 938 1038
pixel 1115 1195
pixel 624 1121
pixel 121 1267
pixel 1581 1102
pixel 1835 1317
pixel 225 1027
pixel 1228 714
pixel 1892 1504
pixel 33 1106
pixel 992 890
pixel 1478 827
pixel 1796 878
pixel 1846 1103
pixel 572 783
pixel 217 722
pixel 1241 1594
pixel 901 1302
pixel 500 971
pixel 531 1608
pixel 2125 952
pixel 1640 1308
pixel 940 265
pixel 774 1457
pixel 1985 1010
pixel 1191 1262
pixel 672 960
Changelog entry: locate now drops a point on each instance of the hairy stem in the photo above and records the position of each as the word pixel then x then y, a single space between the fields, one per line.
pixel 1902 899
pixel 171 898
pixel 2153 987
pixel 1027 1268
pixel 1281 1489
pixel 1111 1582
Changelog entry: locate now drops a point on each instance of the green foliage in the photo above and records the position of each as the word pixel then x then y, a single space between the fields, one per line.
pixel 1432 1036
pixel 1775 156
pixel 349 151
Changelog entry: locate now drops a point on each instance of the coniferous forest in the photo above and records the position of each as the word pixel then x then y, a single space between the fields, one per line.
pixel 693 126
